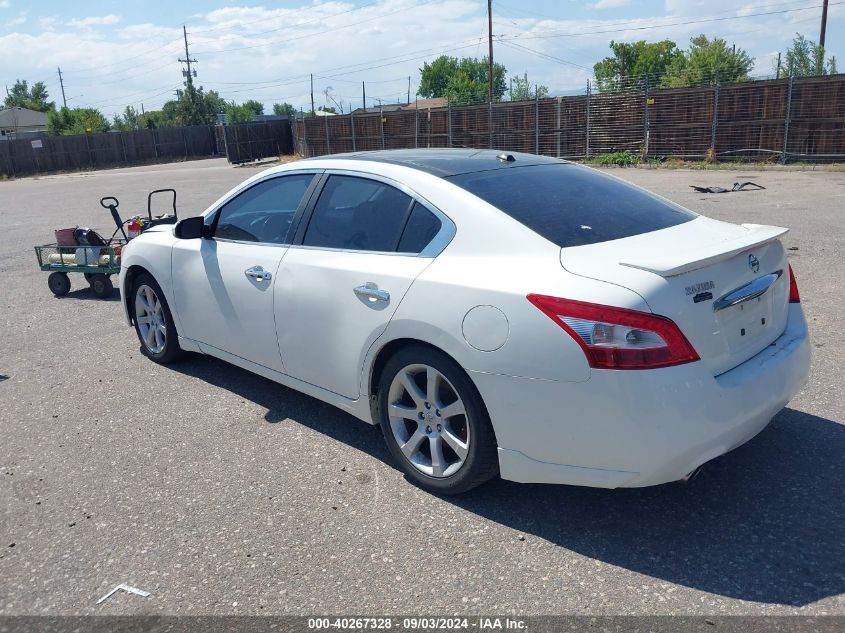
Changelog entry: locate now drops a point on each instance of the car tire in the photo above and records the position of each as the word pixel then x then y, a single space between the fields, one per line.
pixel 435 423
pixel 153 321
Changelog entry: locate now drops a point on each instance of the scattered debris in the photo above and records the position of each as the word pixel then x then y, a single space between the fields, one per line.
pixel 3 377
pixel 737 187
pixel 521 537
pixel 127 589
pixel 792 248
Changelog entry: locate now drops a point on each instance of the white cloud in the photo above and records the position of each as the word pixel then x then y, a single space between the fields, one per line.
pixel 257 52
pixel 94 20
pixel 20 18
pixel 609 4
pixel 5 4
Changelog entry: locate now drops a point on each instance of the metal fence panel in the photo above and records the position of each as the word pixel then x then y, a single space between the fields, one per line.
pixel 19 157
pixel 800 119
pixel 255 141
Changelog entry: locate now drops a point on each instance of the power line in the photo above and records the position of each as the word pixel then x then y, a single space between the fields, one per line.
pixel 120 62
pixel 660 26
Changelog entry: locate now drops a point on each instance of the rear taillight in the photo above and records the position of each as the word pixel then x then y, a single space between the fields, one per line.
pixel 794 297
pixel 616 338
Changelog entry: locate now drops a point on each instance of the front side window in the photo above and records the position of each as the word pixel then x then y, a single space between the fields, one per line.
pixel 358 214
pixel 264 212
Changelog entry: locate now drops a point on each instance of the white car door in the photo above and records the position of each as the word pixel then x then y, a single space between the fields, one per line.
pixel 224 284
pixel 354 258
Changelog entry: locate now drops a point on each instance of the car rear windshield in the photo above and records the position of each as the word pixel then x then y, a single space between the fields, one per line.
pixel 572 205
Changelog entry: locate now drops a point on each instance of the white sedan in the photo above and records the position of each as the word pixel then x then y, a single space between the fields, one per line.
pixel 494 313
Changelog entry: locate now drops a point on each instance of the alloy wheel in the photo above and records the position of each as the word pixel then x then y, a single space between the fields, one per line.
pixel 149 315
pixel 428 420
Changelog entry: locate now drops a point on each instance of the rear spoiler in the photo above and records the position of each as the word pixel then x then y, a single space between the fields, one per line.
pixel 672 263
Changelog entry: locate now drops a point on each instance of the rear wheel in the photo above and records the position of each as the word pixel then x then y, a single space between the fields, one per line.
pixel 435 423
pixel 59 284
pixel 153 321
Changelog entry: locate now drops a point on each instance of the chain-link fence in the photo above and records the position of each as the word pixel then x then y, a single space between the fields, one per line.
pixel 778 119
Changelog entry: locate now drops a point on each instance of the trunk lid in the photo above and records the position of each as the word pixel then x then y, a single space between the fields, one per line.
pixel 683 272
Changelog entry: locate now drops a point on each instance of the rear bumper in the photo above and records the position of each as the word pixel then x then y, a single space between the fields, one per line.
pixel 640 428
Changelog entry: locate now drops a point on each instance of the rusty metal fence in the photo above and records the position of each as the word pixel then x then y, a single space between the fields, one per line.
pixel 794 119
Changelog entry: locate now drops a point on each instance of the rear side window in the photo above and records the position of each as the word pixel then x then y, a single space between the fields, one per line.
pixel 571 205
pixel 358 214
pixel 264 212
pixel 421 228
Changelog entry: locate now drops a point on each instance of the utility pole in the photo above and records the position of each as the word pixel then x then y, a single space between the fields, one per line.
pixel 190 82
pixel 62 84
pixel 409 89
pixel 824 24
pixel 778 73
pixel 364 94
pixel 313 111
pixel 490 52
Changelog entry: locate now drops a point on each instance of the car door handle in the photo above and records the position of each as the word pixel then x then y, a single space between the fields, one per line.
pixel 258 273
pixel 371 292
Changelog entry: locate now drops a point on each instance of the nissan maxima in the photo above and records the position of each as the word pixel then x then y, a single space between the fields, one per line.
pixel 494 313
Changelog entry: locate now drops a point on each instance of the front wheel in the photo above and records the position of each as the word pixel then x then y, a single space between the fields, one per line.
pixel 153 321
pixel 435 423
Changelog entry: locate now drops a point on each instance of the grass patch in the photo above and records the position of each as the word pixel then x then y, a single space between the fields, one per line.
pixel 617 159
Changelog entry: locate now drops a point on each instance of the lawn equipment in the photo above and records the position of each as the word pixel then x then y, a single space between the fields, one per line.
pixel 82 250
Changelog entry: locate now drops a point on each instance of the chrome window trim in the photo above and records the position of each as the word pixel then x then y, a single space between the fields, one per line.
pixel 437 244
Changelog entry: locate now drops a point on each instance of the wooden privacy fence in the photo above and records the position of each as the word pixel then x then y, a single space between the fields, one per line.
pixel 49 154
pixel 786 119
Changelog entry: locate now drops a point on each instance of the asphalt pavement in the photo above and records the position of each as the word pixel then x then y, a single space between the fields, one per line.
pixel 219 492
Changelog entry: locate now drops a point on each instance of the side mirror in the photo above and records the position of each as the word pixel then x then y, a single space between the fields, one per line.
pixel 190 228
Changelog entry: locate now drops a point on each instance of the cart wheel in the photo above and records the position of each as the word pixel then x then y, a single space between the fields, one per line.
pixel 89 277
pixel 59 284
pixel 101 285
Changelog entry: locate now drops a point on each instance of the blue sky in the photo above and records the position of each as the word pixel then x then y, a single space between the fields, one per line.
pixel 118 53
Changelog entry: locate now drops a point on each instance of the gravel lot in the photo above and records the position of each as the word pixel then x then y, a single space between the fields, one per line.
pixel 220 492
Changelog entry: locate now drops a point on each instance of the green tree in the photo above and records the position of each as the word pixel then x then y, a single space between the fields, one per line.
pixel 634 62
pixel 521 89
pixel 708 61
pixel 128 122
pixel 35 98
pixel 461 80
pixel 239 113
pixel 76 121
pixel 284 109
pixel 806 58
pixel 256 107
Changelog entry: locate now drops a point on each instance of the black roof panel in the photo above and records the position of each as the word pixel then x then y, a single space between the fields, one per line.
pixel 449 162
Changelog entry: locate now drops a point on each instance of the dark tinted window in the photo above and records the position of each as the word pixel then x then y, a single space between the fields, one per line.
pixel 359 214
pixel 421 228
pixel 571 205
pixel 264 212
